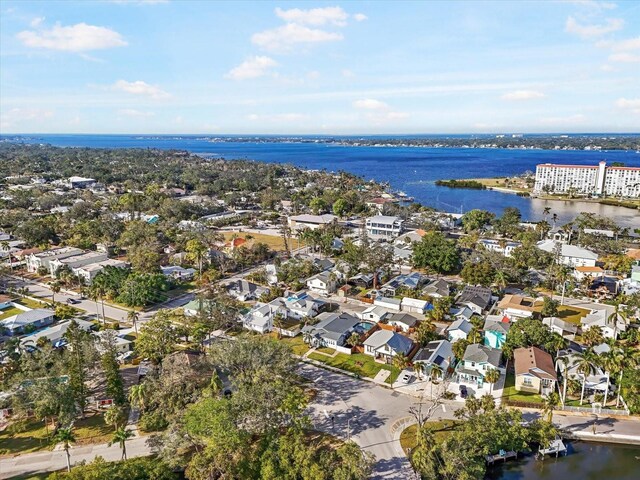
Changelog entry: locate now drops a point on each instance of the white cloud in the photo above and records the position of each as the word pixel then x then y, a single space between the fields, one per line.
pixel 252 67
pixel 370 104
pixel 593 31
pixel 632 104
pixel 568 121
pixel 315 16
pixel 278 117
pixel 621 45
pixel 130 112
pixel 140 88
pixel 74 38
pixel 624 57
pixel 284 38
pixel 519 95
pixel 360 17
pixel 593 5
pixel 36 22
pixel 16 116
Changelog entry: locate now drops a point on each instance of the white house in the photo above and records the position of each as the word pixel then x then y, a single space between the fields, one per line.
pixel 375 314
pixel 27 319
pixel 403 321
pixel 459 330
pixel 476 362
pixel 570 255
pixel 564 329
pixel 389 303
pixel 81 182
pixel 177 272
pixel 384 345
pixel 76 261
pixel 497 246
pixel 382 227
pixel 517 306
pixel 414 305
pixel 89 272
pixel 437 352
pixel 44 259
pixel 599 318
pixel 313 222
pixel 260 317
pixel 323 283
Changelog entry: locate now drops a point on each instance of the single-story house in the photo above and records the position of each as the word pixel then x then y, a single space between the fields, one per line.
pixel 385 344
pixel 121 344
pixel 496 328
pixel 389 303
pixel 28 320
pixel 177 272
pixel 332 330
pixel 534 371
pixel 437 352
pixel 364 280
pixel 459 330
pixel 415 305
pixel 596 381
pixel 437 289
pixel 298 222
pixel 244 291
pixel 54 334
pixel 411 281
pixel 476 361
pixel 580 273
pixel 323 283
pixel 5 301
pixel 517 306
pixel 476 298
pixel 561 327
pixel 198 306
pixel 505 248
pixel 375 314
pixel 570 255
pixel 403 321
pixel 599 318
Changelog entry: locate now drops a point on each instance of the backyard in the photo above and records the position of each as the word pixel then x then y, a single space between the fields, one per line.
pixel 31 435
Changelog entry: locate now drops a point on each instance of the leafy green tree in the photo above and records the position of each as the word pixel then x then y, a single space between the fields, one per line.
pixel 157 337
pixel 478 273
pixel 340 207
pixel 79 358
pixel 476 219
pixel 436 252
pixel 549 307
pixel 111 368
pixel 66 437
pixel 531 332
pixel 196 252
pixel 142 468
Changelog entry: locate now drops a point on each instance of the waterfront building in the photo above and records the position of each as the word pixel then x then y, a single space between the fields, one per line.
pixel 381 227
pixel 597 180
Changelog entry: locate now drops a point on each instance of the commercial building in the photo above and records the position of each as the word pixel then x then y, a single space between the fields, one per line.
pixel 597 180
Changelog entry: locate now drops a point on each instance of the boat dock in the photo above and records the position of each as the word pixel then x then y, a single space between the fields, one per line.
pixel 502 455
pixel 556 447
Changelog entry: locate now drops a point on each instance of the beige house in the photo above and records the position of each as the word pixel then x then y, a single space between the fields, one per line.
pixel 534 371
pixel 517 306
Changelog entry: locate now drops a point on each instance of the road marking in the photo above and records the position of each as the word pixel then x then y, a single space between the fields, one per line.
pixel 444 409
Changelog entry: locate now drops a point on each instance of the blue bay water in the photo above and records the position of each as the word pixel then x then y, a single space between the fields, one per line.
pixel 410 169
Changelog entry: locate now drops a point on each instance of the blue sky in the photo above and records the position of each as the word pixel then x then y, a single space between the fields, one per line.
pixel 153 66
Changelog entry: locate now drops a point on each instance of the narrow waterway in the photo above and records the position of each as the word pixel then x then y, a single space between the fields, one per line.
pixel 585 461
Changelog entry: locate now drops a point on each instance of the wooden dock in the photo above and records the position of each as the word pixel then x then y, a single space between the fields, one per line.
pixel 556 448
pixel 502 455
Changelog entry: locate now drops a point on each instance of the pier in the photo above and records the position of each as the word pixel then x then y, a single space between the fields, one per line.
pixel 556 447
pixel 502 455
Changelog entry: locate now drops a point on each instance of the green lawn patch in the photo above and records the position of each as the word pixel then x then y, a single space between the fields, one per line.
pixel 9 312
pixel 326 350
pixel 358 363
pixel 511 394
pixel 31 435
pixel 572 314
pixel 27 302
pixel 296 343
pixel 441 429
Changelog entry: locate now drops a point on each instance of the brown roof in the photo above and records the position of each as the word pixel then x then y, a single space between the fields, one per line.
pixel 589 269
pixel 519 302
pixel 634 253
pixel 26 251
pixel 5 298
pixel 534 361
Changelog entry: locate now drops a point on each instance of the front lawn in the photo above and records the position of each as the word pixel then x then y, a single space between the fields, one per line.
pixel 27 302
pixel 31 435
pixel 441 430
pixel 9 312
pixel 358 363
pixel 509 393
pixel 296 343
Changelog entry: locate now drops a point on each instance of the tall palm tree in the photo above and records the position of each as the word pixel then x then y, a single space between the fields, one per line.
pixel 419 368
pixel 491 377
pixel 436 371
pixel 66 437
pixel 133 317
pixel 55 288
pixel 120 436
pixel 565 377
pixel 549 404
pixel 585 367
pixel 138 395
pixel 500 279
pixel 400 361
pixel 546 212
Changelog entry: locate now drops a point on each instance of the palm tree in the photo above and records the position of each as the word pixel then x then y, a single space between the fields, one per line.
pixel 585 367
pixel 353 339
pixel 618 314
pixel 133 317
pixel 138 395
pixel 66 437
pixel 500 279
pixel 565 377
pixel 120 436
pixel 546 212
pixel 436 372
pixel 113 416
pixel 400 361
pixel 491 377
pixel 549 404
pixel 55 288
pixel 419 368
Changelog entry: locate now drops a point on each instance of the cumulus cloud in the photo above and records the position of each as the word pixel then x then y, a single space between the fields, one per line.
pixel 130 112
pixel 36 22
pixel 632 104
pixel 17 116
pixel 286 37
pixel 370 104
pixel 140 88
pixel 594 30
pixel 314 16
pixel 360 17
pixel 519 95
pixel 620 45
pixel 73 38
pixel 252 67
pixel 624 57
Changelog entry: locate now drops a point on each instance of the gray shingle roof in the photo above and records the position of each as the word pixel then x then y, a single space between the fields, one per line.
pixel 482 354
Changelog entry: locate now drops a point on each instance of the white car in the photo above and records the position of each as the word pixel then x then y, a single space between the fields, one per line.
pixel 406 378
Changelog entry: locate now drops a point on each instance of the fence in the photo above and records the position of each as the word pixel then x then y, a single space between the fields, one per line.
pixel 595 410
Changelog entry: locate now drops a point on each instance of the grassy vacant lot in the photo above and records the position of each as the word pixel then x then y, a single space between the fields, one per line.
pixel 358 363
pixel 441 430
pixel 572 314
pixel 27 302
pixel 510 392
pixel 272 241
pixel 9 312
pixel 31 435
pixel 296 343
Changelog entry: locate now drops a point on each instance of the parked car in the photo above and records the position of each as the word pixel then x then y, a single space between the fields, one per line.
pixel 406 378
pixel 463 391
pixel 72 301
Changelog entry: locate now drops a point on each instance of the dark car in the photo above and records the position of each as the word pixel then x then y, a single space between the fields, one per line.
pixel 72 301
pixel 463 391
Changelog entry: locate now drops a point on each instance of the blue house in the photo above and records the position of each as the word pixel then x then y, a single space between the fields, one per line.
pixel 496 328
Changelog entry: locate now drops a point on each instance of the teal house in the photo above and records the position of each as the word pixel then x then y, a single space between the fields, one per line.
pixel 496 328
